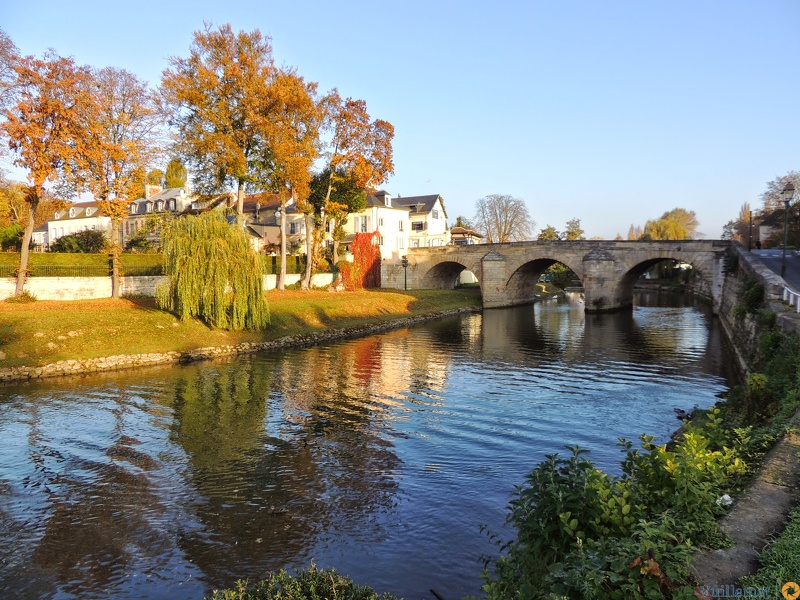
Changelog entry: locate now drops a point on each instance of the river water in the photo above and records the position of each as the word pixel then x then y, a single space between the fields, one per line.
pixel 381 457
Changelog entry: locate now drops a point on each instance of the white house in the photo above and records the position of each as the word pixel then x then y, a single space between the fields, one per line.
pixel 81 216
pixel 428 220
pixel 384 215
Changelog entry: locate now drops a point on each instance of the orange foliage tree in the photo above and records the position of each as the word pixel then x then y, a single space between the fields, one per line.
pixel 292 120
pixel 365 270
pixel 359 149
pixel 216 97
pixel 126 140
pixel 49 130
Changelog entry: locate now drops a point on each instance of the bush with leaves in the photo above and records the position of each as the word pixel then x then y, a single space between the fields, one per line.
pixel 213 272
pixel 89 241
pixel 583 533
pixel 308 584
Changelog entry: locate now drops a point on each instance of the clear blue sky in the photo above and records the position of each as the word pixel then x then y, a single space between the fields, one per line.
pixel 609 111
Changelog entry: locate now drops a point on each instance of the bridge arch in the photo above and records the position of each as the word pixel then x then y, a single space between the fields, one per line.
pixel 521 285
pixel 703 267
pixel 445 275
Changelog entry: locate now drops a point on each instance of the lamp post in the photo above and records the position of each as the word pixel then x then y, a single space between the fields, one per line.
pixel 750 235
pixel 404 263
pixel 788 193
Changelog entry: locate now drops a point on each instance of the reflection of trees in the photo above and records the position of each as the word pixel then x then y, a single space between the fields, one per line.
pixel 92 515
pixel 283 451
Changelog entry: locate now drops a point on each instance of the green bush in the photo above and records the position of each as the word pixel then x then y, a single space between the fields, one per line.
pixel 752 298
pixel 90 241
pixel 308 584
pixel 582 533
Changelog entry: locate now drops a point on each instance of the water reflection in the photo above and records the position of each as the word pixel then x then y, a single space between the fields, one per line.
pixel 380 456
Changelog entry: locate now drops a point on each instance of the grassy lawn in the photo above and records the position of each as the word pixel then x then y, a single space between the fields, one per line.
pixel 44 332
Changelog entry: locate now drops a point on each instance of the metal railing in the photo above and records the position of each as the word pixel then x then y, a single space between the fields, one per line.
pixel 58 271
pixel 792 297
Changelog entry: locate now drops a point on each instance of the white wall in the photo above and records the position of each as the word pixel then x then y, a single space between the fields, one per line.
pixel 84 288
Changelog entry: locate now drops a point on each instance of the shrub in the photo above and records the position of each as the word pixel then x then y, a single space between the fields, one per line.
pixel 582 533
pixel 90 241
pixel 309 584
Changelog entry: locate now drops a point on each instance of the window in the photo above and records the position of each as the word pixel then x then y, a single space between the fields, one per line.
pixel 380 243
pixel 380 222
pixel 415 243
pixel 71 213
pixel 149 207
pixel 53 234
pixel 292 228
pixel 133 208
pixel 417 226
pixel 160 205
pixel 401 226
pixel 171 204
pixel 435 214
pixel 364 224
pixel 401 243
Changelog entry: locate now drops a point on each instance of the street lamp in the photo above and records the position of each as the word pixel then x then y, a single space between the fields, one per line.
pixel 788 193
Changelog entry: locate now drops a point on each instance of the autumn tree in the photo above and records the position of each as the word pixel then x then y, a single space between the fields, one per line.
pixel 503 218
pixel 772 197
pixel 155 177
pixel 574 231
pixel 359 151
pixel 739 229
pixel 48 130
pixel 125 140
pixel 9 55
pixel 175 177
pixel 345 197
pixel 291 125
pixel 464 222
pixel 676 224
pixel 216 98
pixel 549 234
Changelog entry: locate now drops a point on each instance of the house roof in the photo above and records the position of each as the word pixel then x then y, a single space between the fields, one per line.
pixel 266 201
pixel 166 194
pixel 465 232
pixel 377 199
pixel 419 204
pixel 78 211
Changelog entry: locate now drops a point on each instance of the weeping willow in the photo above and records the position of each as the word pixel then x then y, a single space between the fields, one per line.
pixel 213 273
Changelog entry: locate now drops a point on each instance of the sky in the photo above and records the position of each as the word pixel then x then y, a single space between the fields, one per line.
pixel 612 112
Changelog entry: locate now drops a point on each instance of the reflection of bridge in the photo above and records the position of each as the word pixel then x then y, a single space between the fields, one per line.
pixel 508 273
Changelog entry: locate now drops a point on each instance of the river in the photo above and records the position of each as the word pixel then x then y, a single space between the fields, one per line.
pixel 381 457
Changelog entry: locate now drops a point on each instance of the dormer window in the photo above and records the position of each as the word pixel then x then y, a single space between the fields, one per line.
pixel 89 212
pixel 71 213
pixel 133 208
pixel 149 207
pixel 171 204
pixel 160 205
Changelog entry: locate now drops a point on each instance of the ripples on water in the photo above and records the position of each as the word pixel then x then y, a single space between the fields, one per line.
pixel 380 456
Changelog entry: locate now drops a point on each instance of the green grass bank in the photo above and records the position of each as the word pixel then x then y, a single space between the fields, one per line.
pixel 44 332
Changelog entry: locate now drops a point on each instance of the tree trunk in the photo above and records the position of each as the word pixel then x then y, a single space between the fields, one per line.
pixel 310 252
pixel 116 287
pixel 22 273
pixel 282 274
pixel 240 203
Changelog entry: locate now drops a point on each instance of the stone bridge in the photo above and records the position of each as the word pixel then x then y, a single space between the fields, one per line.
pixel 508 273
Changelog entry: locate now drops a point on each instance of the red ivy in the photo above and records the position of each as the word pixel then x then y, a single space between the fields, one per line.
pixel 365 270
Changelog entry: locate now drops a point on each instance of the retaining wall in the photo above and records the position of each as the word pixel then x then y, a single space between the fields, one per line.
pixel 85 288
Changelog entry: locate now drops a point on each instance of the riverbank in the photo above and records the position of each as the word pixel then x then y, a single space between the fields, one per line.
pixel 51 338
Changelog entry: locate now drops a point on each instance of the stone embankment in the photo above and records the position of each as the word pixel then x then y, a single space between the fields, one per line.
pixel 113 363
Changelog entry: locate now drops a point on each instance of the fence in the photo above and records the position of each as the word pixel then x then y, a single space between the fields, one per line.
pixel 792 297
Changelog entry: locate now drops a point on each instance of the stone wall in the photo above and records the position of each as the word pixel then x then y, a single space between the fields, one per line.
pixel 744 331
pixel 86 288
